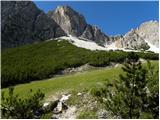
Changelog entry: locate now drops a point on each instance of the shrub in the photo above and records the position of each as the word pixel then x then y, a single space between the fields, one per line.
pixel 14 107
pixel 42 60
pixel 135 95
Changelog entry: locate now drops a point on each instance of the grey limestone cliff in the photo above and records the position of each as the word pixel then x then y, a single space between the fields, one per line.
pixel 75 24
pixel 23 23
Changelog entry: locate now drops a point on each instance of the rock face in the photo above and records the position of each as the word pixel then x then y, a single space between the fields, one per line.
pixel 23 23
pixel 143 37
pixel 132 40
pixel 149 31
pixel 118 40
pixel 95 34
pixel 75 24
pixel 70 21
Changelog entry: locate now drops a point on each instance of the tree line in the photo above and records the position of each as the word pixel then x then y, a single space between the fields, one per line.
pixel 135 95
pixel 43 60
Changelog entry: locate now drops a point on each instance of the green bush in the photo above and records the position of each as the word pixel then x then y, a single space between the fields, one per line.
pixel 14 107
pixel 135 94
pixel 42 60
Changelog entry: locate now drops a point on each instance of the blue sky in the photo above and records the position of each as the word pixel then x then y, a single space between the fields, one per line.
pixel 111 17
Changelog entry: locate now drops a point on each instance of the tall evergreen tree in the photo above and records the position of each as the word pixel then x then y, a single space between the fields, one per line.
pixel 126 97
pixel 133 85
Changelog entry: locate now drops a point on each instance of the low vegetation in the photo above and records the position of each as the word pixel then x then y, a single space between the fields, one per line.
pixel 15 107
pixel 43 60
pixel 132 96
pixel 99 83
pixel 78 81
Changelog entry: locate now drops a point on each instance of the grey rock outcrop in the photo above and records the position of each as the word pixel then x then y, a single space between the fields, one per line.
pixel 132 40
pixel 23 23
pixel 70 21
pixel 95 34
pixel 149 31
pixel 75 24
pixel 140 38
pixel 119 41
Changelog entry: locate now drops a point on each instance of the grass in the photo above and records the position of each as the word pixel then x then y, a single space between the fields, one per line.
pixel 69 82
pixel 43 60
pixel 77 81
pixel 87 114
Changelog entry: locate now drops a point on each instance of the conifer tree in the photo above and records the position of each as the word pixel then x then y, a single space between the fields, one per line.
pixel 14 107
pixel 127 97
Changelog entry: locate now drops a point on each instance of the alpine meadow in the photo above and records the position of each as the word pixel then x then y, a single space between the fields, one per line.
pixel 55 64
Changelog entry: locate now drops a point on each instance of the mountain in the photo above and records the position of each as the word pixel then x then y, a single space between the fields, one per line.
pixel 150 32
pixel 134 40
pixel 23 23
pixel 21 26
pixel 145 37
pixel 75 24
pixel 70 21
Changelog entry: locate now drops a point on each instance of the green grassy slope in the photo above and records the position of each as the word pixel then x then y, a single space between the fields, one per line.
pixel 42 60
pixel 69 82
pixel 78 81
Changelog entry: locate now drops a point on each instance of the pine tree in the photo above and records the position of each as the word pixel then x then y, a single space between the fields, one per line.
pixel 129 94
pixel 152 106
pixel 134 83
pixel 14 107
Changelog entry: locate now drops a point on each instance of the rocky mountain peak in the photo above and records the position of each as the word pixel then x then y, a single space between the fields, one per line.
pixel 21 26
pixel 73 23
pixel 150 32
pixel 64 8
pixel 146 37
pixel 70 21
pixel 151 22
pixel 23 23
